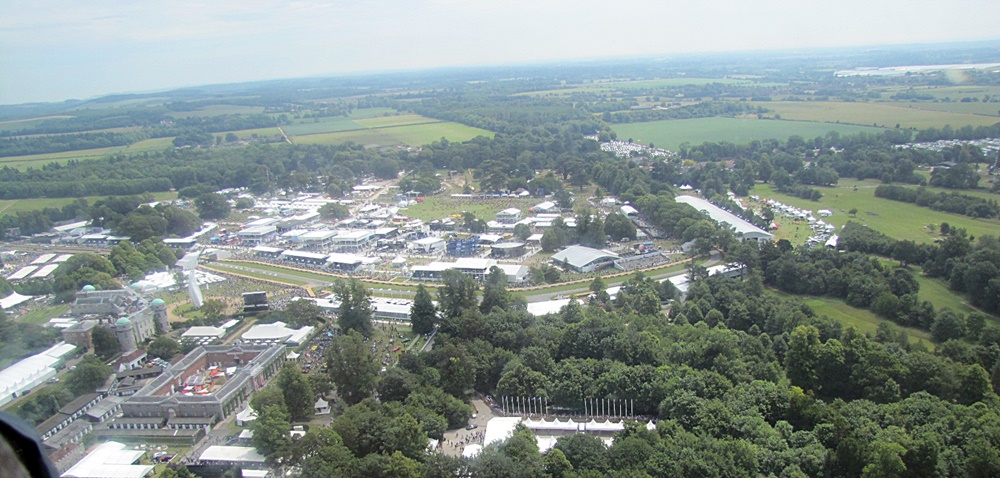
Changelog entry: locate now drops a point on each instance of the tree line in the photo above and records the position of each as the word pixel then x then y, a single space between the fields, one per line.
pixel 954 202
pixel 741 383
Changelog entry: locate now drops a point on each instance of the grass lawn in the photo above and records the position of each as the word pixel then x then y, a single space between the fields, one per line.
pixel 794 231
pixel 437 207
pixel 413 130
pixel 670 134
pixel 881 114
pixel 248 133
pixel 362 136
pixel 979 193
pixel 988 109
pixel 954 93
pixel 323 125
pixel 362 113
pixel 863 320
pixel 401 120
pixel 12 206
pixel 937 292
pixel 241 270
pixel 43 314
pixel 893 218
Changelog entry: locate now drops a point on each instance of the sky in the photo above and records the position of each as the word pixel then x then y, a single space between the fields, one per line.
pixel 54 50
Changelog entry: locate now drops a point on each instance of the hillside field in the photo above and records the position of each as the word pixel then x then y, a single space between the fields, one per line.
pixel 39 160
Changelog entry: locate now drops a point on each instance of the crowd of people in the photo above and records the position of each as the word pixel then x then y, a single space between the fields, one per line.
pixel 641 261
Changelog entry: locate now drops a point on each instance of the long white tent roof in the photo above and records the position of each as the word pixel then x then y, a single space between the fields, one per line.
pixel 721 215
pixel 110 460
pixel 22 272
pixel 233 454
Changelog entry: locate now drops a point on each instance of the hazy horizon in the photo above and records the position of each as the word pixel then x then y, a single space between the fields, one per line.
pixel 55 51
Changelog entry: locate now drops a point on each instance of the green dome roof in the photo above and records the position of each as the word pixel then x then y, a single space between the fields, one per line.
pixel 88 288
pixel 136 286
pixel 158 302
pixel 123 321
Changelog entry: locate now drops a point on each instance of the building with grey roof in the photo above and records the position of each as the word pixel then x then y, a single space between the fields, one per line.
pixel 583 259
pixel 743 229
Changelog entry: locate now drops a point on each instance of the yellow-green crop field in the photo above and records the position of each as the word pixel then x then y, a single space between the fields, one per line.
pixel 886 115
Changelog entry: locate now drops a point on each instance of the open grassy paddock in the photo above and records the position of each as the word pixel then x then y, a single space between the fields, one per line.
pixel 437 207
pixel 881 114
pixel 936 291
pixel 863 320
pixel 321 125
pixel 670 134
pixel 893 218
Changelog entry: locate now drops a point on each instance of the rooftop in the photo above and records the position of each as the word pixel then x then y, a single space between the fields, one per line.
pixel 580 256
pixel 722 216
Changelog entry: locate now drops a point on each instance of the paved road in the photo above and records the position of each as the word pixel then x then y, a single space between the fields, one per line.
pixel 455 440
pixel 714 259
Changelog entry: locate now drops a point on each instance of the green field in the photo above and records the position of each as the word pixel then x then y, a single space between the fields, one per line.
pixel 882 114
pixel 937 293
pixel 39 160
pixel 988 109
pixel 863 320
pixel 322 125
pixel 390 121
pixel 363 113
pixel 437 207
pixel 407 132
pixel 42 315
pixel 670 134
pixel 13 206
pixel 226 267
pixel 952 93
pixel 216 110
pixel 893 218
pixel 17 125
